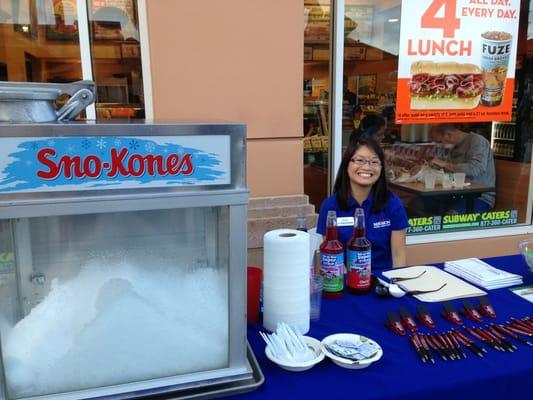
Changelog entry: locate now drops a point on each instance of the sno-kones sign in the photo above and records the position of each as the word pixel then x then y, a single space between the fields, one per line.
pixel 45 164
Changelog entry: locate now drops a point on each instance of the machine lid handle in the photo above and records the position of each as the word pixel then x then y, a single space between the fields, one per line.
pixel 76 104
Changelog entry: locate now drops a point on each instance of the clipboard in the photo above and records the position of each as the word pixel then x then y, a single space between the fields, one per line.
pixel 432 279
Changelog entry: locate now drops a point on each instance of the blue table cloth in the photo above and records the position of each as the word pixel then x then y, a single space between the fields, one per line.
pixel 400 374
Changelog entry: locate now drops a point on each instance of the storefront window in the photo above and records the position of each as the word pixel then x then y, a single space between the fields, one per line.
pixel 371 52
pixel 115 47
pixel 40 42
pixel 316 99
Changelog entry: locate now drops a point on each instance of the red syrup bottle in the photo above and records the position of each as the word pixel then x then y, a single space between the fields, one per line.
pixel 332 260
pixel 358 257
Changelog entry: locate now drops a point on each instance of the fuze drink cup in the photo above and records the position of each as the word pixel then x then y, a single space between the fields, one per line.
pixel 495 52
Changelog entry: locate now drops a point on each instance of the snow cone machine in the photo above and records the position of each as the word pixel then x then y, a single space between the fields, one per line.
pixel 122 261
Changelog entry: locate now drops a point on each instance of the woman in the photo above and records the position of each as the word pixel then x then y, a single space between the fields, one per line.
pixel 361 182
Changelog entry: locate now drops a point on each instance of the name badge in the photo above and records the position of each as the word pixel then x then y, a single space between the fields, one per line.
pixel 345 221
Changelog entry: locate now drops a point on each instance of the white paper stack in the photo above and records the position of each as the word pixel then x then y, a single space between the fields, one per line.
pixel 482 274
pixel 286 279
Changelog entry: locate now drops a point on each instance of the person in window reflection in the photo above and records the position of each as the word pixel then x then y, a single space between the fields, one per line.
pixel 373 125
pixel 348 96
pixel 471 154
pixel 361 182
pixel 349 108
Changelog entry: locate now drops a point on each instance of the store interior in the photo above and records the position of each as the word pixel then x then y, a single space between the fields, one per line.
pixel 39 42
pixel 372 33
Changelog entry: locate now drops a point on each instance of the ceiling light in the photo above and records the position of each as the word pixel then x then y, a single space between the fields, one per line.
pixel 393 20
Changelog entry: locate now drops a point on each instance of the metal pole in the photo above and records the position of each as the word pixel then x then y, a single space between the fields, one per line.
pixel 336 66
pixel 85 51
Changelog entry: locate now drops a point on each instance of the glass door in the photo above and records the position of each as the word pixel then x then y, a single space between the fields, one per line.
pixel 317 75
pixel 116 58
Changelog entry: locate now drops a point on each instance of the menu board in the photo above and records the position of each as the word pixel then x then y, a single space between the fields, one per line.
pixel 457 60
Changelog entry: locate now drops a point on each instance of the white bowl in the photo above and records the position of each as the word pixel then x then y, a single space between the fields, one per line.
pixel 313 344
pixel 344 362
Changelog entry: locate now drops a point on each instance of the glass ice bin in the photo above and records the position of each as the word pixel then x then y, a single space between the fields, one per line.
pixel 122 259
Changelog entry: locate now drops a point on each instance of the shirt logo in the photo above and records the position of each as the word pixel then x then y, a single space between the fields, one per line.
pixel 382 224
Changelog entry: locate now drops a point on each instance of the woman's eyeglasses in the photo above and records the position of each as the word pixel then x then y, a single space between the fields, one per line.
pixel 362 161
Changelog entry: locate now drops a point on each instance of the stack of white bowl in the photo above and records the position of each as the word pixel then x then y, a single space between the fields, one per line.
pixel 286 279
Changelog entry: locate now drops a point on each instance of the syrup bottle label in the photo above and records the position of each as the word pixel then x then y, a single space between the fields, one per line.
pixel 358 265
pixel 332 271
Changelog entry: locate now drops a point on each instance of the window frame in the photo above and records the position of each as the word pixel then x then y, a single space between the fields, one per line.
pixel 86 55
pixel 335 150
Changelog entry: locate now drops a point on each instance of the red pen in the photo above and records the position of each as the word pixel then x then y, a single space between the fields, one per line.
pixel 521 325
pixel 445 347
pixel 422 339
pixel 485 307
pixel 433 343
pixel 417 348
pixel 394 324
pixel 479 348
pixel 407 320
pixel 469 344
pixel 424 317
pixel 495 339
pixel 505 343
pixel 451 346
pixel 451 314
pixel 470 312
pixel 456 344
pixel 509 333
pixel 516 330
pixel 478 336
pixel 489 339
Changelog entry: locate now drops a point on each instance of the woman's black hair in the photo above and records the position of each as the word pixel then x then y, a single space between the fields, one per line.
pixel 342 185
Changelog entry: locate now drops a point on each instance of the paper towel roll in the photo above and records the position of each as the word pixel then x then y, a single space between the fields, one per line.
pixel 286 260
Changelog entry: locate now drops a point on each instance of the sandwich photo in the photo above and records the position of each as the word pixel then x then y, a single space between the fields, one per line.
pixel 445 85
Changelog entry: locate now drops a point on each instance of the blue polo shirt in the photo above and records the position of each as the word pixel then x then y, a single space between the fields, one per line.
pixel 379 226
